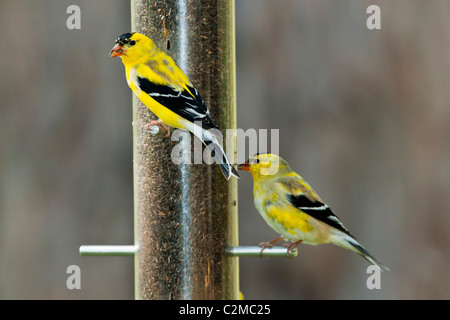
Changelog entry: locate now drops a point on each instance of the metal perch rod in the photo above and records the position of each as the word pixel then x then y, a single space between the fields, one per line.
pixel 108 250
pixel 242 251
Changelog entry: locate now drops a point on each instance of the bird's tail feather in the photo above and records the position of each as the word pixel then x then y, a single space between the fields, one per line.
pixel 365 254
pixel 350 243
pixel 211 142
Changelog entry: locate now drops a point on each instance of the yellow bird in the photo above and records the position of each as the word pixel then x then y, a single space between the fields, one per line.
pixel 294 210
pixel 164 88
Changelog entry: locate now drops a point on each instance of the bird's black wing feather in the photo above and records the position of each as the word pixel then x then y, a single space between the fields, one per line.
pixel 317 210
pixel 191 108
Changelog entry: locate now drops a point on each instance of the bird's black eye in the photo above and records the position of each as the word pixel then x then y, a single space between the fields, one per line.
pixel 132 43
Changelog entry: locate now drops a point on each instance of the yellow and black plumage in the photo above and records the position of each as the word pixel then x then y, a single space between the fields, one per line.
pixel 166 90
pixel 294 210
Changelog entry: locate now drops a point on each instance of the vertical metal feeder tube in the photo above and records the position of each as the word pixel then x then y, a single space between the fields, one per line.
pixel 186 214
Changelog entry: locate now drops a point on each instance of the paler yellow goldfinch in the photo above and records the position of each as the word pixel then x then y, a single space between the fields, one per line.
pixel 294 210
pixel 161 85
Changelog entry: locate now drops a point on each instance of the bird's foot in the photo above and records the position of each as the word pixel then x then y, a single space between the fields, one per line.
pixel 268 244
pixel 160 124
pixel 291 247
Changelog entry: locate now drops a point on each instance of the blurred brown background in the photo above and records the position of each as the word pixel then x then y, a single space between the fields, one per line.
pixel 363 115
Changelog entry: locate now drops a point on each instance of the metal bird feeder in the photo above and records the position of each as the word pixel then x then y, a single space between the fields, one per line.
pixel 186 235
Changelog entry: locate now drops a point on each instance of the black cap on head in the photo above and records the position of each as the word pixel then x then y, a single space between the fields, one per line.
pixel 125 38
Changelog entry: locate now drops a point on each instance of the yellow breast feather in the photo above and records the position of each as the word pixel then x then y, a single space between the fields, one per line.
pixel 292 219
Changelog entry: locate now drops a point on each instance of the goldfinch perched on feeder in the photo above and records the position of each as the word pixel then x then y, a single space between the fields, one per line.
pixel 161 85
pixel 293 209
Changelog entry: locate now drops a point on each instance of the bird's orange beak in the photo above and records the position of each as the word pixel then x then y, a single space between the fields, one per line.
pixel 244 166
pixel 117 51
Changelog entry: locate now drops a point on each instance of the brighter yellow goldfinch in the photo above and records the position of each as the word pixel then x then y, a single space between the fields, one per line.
pixel 161 85
pixel 293 209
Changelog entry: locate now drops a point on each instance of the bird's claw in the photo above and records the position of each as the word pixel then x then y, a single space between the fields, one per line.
pixel 291 247
pixel 161 126
pixel 264 246
pixel 268 244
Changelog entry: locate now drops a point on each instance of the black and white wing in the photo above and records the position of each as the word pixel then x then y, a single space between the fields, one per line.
pixel 188 105
pixel 303 197
pixel 319 211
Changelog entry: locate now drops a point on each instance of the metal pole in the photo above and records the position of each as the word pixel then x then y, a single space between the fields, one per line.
pixel 244 251
pixel 186 215
pixel 114 251
pixel 252 251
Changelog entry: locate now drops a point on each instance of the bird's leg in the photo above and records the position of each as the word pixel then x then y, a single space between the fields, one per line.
pixel 160 124
pixel 169 131
pixel 291 246
pixel 268 244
